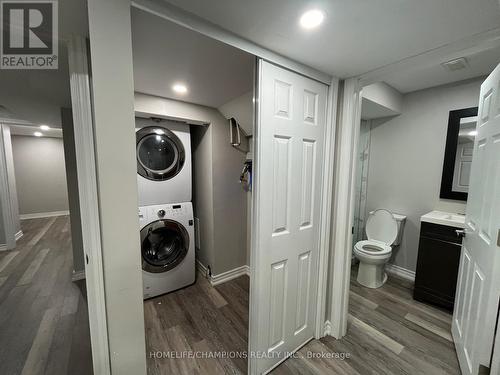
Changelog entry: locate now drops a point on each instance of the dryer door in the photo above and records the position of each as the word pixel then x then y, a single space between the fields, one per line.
pixel 160 153
pixel 164 244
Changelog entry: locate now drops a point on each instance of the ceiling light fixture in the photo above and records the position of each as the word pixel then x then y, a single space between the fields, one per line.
pixel 37 134
pixel 45 127
pixel 473 133
pixel 312 18
pixel 179 88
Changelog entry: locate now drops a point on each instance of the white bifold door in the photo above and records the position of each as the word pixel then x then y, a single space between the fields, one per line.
pixel 290 137
pixel 478 287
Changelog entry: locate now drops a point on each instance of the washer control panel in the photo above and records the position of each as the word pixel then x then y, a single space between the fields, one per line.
pixel 172 211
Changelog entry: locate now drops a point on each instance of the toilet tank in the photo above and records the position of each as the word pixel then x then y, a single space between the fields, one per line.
pixel 400 219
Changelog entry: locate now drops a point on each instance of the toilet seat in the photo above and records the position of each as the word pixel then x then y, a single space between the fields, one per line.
pixel 373 248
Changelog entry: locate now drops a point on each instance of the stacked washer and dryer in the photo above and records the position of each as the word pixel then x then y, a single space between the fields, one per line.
pixel 164 180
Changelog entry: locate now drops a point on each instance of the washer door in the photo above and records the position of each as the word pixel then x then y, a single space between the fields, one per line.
pixel 160 154
pixel 164 244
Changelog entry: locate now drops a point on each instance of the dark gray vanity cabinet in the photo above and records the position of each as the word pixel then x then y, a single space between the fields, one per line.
pixel 437 265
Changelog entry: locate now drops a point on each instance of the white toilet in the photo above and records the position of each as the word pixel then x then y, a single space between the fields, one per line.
pixel 383 230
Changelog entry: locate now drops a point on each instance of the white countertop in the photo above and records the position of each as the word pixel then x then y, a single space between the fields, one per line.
pixel 444 218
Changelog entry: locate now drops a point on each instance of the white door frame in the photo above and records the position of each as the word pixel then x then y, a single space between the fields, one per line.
pixel 5 195
pixel 89 208
pixel 192 22
pixel 345 171
pixel 6 201
pixel 82 116
pixel 348 138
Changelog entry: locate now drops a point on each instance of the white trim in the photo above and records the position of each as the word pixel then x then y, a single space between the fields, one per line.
pixel 495 359
pixel 19 235
pixel 5 195
pixel 200 267
pixel 193 22
pixel 3 247
pixel 78 275
pixel 327 328
pixel 229 275
pixel 88 198
pixel 401 272
pixel 340 261
pixel 326 207
pixel 38 215
pixel 224 276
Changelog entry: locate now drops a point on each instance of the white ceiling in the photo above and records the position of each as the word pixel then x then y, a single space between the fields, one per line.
pixel 30 131
pixel 433 74
pixel 358 35
pixel 165 53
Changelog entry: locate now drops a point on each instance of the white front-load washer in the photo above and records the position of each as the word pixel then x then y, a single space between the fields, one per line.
pixel 163 150
pixel 167 247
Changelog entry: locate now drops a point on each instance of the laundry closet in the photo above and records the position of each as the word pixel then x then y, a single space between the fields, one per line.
pixel 194 125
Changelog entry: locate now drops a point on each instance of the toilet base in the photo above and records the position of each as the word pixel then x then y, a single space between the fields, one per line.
pixel 371 275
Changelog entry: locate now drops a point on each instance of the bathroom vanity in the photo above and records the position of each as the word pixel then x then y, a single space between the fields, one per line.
pixel 438 258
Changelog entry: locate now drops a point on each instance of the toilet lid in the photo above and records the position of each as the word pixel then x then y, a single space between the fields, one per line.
pixel 381 226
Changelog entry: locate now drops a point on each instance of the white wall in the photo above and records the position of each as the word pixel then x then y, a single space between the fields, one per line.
pixel 40 174
pixel 406 160
pixel 241 108
pixel 113 110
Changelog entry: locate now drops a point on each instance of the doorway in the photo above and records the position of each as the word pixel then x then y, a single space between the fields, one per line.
pixel 45 321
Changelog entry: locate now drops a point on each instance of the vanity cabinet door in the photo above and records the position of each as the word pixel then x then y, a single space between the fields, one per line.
pixel 437 267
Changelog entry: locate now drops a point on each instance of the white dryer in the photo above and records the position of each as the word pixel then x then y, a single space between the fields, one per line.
pixel 163 161
pixel 167 247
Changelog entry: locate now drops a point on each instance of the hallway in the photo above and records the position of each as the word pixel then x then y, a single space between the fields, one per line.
pixel 43 314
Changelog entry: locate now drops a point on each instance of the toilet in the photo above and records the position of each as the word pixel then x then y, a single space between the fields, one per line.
pixel 384 230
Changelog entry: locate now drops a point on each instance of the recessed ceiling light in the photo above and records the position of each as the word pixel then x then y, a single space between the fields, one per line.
pixel 179 88
pixel 37 134
pixel 474 132
pixel 312 18
pixel 44 127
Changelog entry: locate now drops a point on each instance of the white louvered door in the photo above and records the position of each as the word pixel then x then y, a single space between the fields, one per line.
pixel 478 285
pixel 290 137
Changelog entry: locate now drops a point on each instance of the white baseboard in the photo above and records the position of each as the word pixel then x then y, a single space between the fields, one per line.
pixel 201 268
pixel 222 277
pixel 39 215
pixel 19 234
pixel 327 330
pixel 401 272
pixel 229 275
pixel 78 275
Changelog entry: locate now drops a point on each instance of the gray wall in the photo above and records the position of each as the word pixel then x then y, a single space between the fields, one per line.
pixel 201 148
pixel 406 160
pixel 230 200
pixel 73 196
pixel 40 174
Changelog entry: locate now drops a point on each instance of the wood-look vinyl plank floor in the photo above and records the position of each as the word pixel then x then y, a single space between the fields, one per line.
pixel 388 333
pixel 44 325
pixel 44 322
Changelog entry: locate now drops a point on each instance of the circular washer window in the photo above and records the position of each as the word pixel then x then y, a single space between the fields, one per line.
pixel 164 244
pixel 160 154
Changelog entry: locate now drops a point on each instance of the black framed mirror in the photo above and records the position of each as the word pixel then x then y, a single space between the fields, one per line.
pixel 458 153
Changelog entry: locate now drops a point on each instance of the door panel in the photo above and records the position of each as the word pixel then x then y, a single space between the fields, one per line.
pixel 478 290
pixel 290 140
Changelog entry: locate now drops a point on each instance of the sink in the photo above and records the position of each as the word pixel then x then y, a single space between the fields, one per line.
pixel 444 218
